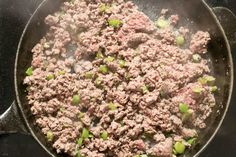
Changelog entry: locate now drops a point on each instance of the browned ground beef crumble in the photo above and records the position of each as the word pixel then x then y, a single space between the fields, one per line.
pixel 129 79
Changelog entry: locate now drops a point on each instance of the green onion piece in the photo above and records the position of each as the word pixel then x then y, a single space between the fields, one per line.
pixel 183 108
pixel 61 13
pixel 197 90
pixel 89 75
pixel 103 69
pixel 174 151
pixel 99 55
pixel 50 77
pixel 213 88
pixel 104 135
pixel 179 147
pixel 103 8
pixel 192 141
pixel 62 72
pixel 202 80
pixel 98 81
pixel 91 136
pixel 78 154
pixel 122 63
pixel 143 155
pixel 81 115
pixel 72 1
pixel 127 76
pixel 145 89
pixel 46 45
pixel 122 123
pixel 62 109
pixel 29 71
pixel 109 59
pixel 112 106
pixel 76 99
pixel 180 40
pixel 49 136
pixel 85 133
pixel 210 80
pixel 162 23
pixel 80 142
pixel 196 58
pixel 116 23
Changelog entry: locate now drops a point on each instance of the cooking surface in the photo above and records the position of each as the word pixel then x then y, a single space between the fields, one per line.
pixel 13 16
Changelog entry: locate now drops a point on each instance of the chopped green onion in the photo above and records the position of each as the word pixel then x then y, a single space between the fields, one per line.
pixel 174 151
pixel 103 8
pixel 109 59
pixel 76 99
pixel 116 23
pixel 50 77
pixel 179 147
pixel 143 155
pixel 122 63
pixel 91 136
pixel 122 124
pixel 99 55
pixel 183 108
pixel 213 88
pixel 104 135
pixel 180 40
pixel 62 72
pixel 202 80
pixel 210 80
pixel 192 141
pixel 196 58
pixel 85 133
pixel 145 89
pixel 89 75
pixel 162 23
pixel 112 106
pixel 98 81
pixel 72 1
pixel 103 69
pixel 197 90
pixel 49 136
pixel 61 13
pixel 78 154
pixel 81 115
pixel 29 71
pixel 80 142
pixel 127 76
pixel 62 109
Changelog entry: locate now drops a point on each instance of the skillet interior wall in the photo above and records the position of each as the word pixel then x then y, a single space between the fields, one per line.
pixel 191 9
pixel 34 32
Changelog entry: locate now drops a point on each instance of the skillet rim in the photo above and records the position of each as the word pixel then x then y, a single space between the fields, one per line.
pixel 231 73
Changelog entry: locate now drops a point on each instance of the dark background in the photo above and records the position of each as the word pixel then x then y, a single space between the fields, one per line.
pixel 13 17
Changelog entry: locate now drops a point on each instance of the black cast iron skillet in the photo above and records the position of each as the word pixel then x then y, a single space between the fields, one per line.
pixel 18 117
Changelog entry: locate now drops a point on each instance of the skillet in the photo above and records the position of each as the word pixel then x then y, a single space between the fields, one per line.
pixel 18 117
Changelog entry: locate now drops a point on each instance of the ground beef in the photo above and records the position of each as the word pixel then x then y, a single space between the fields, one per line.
pixel 104 67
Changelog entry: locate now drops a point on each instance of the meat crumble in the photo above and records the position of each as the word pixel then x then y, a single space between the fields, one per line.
pixel 106 81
